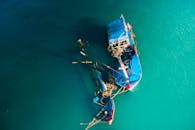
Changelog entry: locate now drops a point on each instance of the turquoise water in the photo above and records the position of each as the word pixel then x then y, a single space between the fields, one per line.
pixel 41 90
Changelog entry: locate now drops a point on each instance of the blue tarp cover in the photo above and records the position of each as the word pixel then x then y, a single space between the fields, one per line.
pixel 115 30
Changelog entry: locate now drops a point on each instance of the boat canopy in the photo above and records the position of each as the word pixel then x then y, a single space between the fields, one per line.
pixel 116 31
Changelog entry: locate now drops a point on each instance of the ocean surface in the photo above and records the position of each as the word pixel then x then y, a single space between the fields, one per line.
pixel 41 90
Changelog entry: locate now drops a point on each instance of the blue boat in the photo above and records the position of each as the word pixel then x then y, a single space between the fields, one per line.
pixel 106 114
pixel 123 48
pixel 110 109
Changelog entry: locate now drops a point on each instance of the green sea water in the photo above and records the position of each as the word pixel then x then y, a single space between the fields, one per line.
pixel 41 90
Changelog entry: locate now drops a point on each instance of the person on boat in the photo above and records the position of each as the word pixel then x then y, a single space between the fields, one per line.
pixel 132 49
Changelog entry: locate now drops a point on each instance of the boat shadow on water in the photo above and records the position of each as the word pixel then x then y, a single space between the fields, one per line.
pixel 90 30
pixel 93 33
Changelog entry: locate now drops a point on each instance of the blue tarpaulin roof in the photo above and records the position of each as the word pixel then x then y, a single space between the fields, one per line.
pixel 115 30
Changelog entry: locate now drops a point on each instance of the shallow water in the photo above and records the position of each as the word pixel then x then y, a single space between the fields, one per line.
pixel 41 90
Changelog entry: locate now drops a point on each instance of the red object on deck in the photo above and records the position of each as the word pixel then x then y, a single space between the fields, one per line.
pixel 128 86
